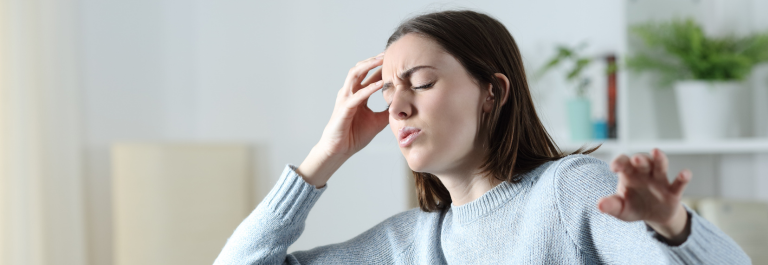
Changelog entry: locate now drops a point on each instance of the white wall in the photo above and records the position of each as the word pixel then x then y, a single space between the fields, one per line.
pixel 267 72
pixel 41 155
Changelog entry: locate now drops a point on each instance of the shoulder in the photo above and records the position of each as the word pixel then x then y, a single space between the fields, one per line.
pixel 400 234
pixel 579 164
pixel 409 218
pixel 582 175
pixel 384 243
pixel 406 226
pixel 574 182
pixel 577 183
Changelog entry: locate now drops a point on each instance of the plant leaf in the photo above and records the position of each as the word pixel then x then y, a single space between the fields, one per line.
pixel 679 49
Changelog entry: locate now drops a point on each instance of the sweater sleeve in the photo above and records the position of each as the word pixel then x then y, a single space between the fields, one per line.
pixel 580 181
pixel 278 221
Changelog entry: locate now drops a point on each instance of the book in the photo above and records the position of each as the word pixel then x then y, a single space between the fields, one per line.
pixel 612 90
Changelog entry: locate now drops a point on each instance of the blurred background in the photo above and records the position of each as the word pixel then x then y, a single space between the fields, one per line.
pixel 143 132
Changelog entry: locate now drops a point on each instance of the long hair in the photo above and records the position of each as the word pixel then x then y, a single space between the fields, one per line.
pixel 516 138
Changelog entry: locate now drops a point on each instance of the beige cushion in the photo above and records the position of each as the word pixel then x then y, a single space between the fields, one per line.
pixel 177 203
pixel 744 221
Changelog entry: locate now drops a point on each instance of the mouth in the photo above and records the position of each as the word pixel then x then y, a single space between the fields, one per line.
pixel 407 135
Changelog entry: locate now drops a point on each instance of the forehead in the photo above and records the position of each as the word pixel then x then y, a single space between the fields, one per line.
pixel 412 50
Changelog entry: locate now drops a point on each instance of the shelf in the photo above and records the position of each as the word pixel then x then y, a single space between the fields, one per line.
pixel 608 146
pixel 727 146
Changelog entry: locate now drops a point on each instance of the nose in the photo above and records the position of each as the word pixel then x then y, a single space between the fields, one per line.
pixel 400 108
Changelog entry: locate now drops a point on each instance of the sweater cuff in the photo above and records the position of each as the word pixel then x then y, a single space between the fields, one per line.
pixel 661 239
pixel 696 242
pixel 291 198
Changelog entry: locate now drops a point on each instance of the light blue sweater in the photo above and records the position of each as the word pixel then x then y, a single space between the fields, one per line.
pixel 550 217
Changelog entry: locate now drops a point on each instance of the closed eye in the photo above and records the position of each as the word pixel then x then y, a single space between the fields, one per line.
pixel 418 87
pixel 425 86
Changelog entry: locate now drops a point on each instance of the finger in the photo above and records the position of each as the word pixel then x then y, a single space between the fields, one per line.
pixel 359 71
pixel 370 58
pixel 660 164
pixel 363 94
pixel 620 163
pixel 680 182
pixel 365 62
pixel 642 164
pixel 612 205
pixel 375 76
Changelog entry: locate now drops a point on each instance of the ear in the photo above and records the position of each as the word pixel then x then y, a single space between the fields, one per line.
pixel 490 98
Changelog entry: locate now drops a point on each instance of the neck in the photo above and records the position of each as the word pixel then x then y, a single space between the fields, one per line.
pixel 465 189
pixel 465 182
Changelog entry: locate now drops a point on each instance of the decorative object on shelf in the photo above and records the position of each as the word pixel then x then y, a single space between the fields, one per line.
pixel 579 108
pixel 706 72
pixel 600 131
pixel 707 109
pixel 580 118
pixel 612 129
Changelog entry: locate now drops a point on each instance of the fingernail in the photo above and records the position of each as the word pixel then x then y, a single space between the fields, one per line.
pixel 381 55
pixel 379 82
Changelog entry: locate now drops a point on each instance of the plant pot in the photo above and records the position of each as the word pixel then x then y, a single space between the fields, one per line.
pixel 580 119
pixel 707 109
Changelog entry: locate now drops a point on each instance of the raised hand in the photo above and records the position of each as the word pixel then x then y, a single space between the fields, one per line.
pixel 644 193
pixel 352 126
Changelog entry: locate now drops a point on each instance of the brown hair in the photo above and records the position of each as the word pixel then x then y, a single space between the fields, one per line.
pixel 517 140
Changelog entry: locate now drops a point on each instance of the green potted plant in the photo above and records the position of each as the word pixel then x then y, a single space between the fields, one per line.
pixel 706 72
pixel 579 108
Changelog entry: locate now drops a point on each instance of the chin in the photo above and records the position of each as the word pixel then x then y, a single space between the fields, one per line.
pixel 416 161
pixel 415 166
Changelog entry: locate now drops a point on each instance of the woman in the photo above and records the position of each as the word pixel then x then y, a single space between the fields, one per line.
pixel 493 187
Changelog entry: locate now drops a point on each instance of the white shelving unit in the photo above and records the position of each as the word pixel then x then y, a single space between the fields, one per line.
pixel 647 117
pixel 677 147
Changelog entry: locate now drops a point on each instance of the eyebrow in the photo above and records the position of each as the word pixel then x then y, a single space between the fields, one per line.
pixel 405 74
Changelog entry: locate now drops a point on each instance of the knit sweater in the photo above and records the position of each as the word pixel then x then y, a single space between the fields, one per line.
pixel 549 217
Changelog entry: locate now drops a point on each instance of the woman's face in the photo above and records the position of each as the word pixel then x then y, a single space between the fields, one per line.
pixel 430 92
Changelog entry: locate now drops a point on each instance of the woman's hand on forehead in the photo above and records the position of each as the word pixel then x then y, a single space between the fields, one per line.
pixel 352 125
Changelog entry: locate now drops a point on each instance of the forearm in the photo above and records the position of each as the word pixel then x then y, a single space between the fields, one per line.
pixel 277 222
pixel 319 166
pixel 705 244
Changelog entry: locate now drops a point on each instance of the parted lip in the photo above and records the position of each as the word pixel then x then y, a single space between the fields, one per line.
pixel 405 131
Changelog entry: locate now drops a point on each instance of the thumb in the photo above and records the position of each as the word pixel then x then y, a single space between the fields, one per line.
pixel 612 205
pixel 382 118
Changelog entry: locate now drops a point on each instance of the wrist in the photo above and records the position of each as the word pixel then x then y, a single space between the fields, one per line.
pixel 319 166
pixel 676 230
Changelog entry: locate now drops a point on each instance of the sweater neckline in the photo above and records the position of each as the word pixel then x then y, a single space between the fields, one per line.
pixel 494 198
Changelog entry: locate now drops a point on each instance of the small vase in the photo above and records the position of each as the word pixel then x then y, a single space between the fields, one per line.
pixel 580 119
pixel 707 109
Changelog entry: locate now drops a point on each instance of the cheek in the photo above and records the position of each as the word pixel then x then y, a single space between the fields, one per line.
pixel 455 121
